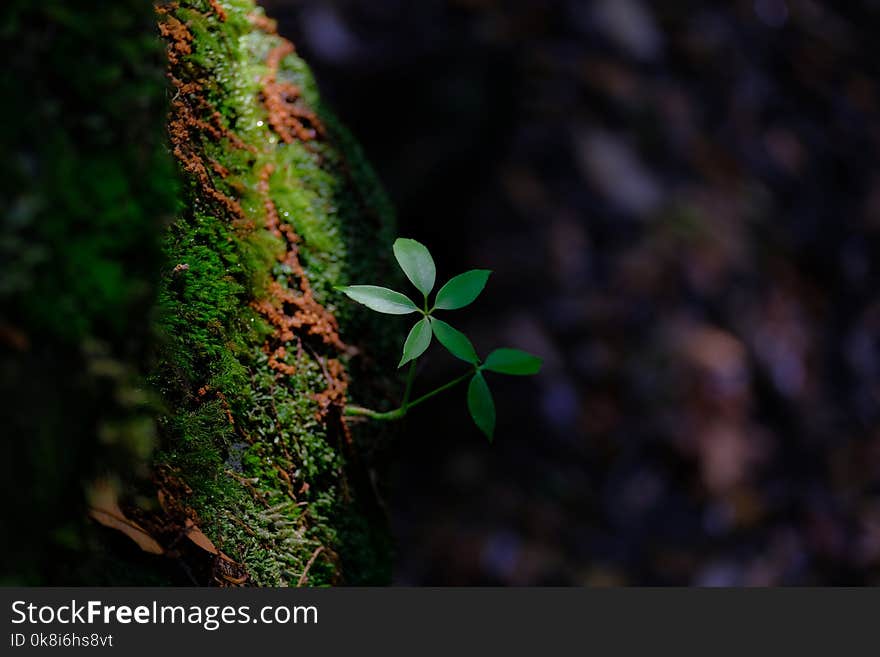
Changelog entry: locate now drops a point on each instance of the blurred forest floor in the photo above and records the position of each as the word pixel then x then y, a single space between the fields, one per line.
pixel 681 203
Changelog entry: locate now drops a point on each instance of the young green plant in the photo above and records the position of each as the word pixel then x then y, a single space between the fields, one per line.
pixel 416 262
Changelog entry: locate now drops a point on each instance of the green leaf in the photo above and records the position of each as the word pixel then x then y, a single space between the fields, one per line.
pixel 462 289
pixel 481 405
pixel 380 299
pixel 418 340
pixel 512 361
pixel 417 263
pixel 455 341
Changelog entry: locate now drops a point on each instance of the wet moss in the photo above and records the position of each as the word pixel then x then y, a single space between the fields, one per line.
pixel 270 464
pixel 184 322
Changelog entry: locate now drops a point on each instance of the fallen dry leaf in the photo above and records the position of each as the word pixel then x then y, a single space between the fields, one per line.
pixel 198 537
pixel 105 510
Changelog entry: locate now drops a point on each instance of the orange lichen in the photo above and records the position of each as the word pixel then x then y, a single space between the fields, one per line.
pixel 180 38
pixel 337 387
pixel 184 88
pixel 219 169
pixel 189 92
pixel 263 22
pixel 276 361
pixel 218 9
pixel 294 312
pixel 185 129
pixel 288 116
pixel 184 125
pixel 218 131
pixel 331 401
pixel 181 126
pixel 308 314
pixel 273 222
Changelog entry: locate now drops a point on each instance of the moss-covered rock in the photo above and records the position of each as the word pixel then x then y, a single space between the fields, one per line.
pixel 237 377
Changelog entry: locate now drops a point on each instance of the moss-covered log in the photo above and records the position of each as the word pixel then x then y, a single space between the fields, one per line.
pixel 179 372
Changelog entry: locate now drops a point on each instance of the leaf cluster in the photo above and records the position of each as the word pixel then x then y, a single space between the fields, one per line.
pixel 459 292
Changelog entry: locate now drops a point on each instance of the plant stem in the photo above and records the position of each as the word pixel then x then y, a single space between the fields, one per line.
pixel 410 379
pixel 398 413
pixel 388 416
pixel 437 391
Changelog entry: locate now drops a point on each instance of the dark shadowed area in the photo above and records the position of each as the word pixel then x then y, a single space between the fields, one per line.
pixel 680 202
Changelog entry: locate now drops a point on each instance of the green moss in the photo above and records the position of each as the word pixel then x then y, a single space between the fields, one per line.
pixel 271 522
pixel 128 332
pixel 85 183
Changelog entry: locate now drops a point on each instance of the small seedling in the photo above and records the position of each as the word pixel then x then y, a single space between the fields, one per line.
pixel 416 262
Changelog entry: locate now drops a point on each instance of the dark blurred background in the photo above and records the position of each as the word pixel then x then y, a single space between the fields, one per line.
pixel 680 201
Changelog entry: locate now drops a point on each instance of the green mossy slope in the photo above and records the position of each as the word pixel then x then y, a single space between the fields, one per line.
pixel 279 208
pixel 211 353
